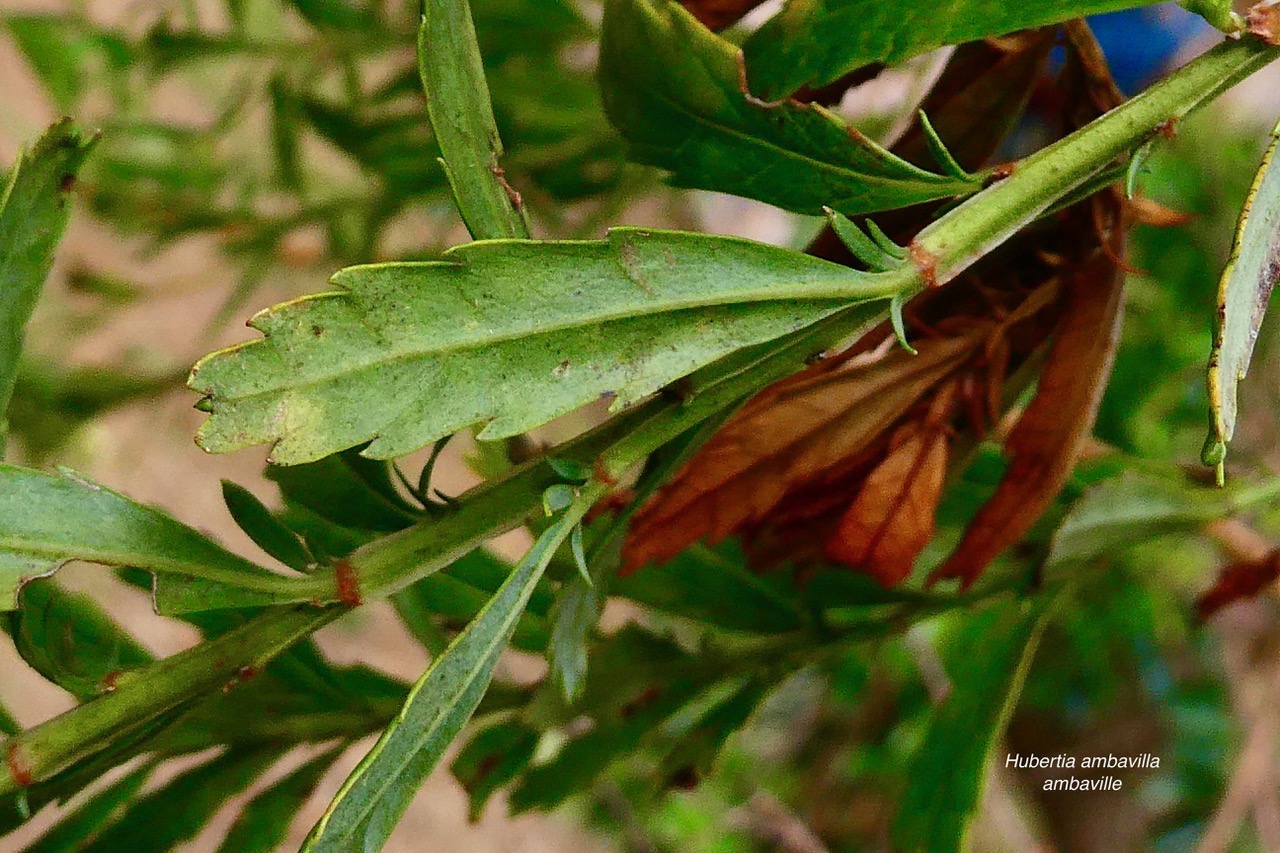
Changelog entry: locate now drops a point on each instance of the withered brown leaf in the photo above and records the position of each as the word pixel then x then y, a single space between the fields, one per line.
pixel 1238 581
pixel 892 519
pixel 718 14
pixel 847 460
pixel 1049 435
pixel 793 432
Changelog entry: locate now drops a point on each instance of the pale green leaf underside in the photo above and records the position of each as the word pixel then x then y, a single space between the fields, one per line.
pixel 815 42
pixel 673 89
pixel 47 519
pixel 1128 509
pixel 509 332
pixel 1243 295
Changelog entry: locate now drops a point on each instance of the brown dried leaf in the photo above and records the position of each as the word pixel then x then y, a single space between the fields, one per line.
pixel 1238 581
pixel 892 519
pixel 718 14
pixel 1146 211
pixel 795 431
pixel 1263 21
pixel 1049 435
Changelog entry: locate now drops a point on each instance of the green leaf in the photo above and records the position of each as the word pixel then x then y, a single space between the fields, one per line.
pixel 1217 12
pixel 78 830
pixel 713 586
pixel 1243 295
pixel 1128 509
pixel 46 520
pixel 581 601
pixel 581 761
pixel 267 532
pixel 175 813
pixel 346 489
pixel 492 758
pixel 724 711
pixel 57 50
pixel 33 213
pixel 945 780
pixel 458 593
pixel 69 640
pixel 673 89
pixel 578 608
pixel 378 791
pixel 514 333
pixel 263 824
pixel 815 42
pixel 462 120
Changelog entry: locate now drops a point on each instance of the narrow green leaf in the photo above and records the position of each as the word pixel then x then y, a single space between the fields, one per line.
pixel 946 779
pixel 175 813
pixel 373 798
pixel 675 92
pixel 267 532
pixel 731 704
pixel 1220 13
pixel 865 249
pixel 346 489
pixel 1243 295
pixel 581 761
pixel 47 519
pixel 34 209
pixel 462 119
pixel 263 824
pixel 578 608
pixel 514 333
pixel 58 51
pixel 492 758
pixel 1128 509
pixel 581 601
pixel 78 830
pixel 815 42
pixel 454 596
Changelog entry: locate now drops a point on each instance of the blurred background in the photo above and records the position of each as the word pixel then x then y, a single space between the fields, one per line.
pixel 252 148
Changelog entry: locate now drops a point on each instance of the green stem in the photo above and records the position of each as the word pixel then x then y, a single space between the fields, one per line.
pixel 145 694
pixel 992 216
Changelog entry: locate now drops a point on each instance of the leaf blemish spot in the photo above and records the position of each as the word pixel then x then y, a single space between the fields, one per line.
pixel 1168 128
pixel 348 584
pixel 601 472
pixel 19 766
pixel 517 200
pixel 926 262
pixel 1003 170
pixel 67 183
